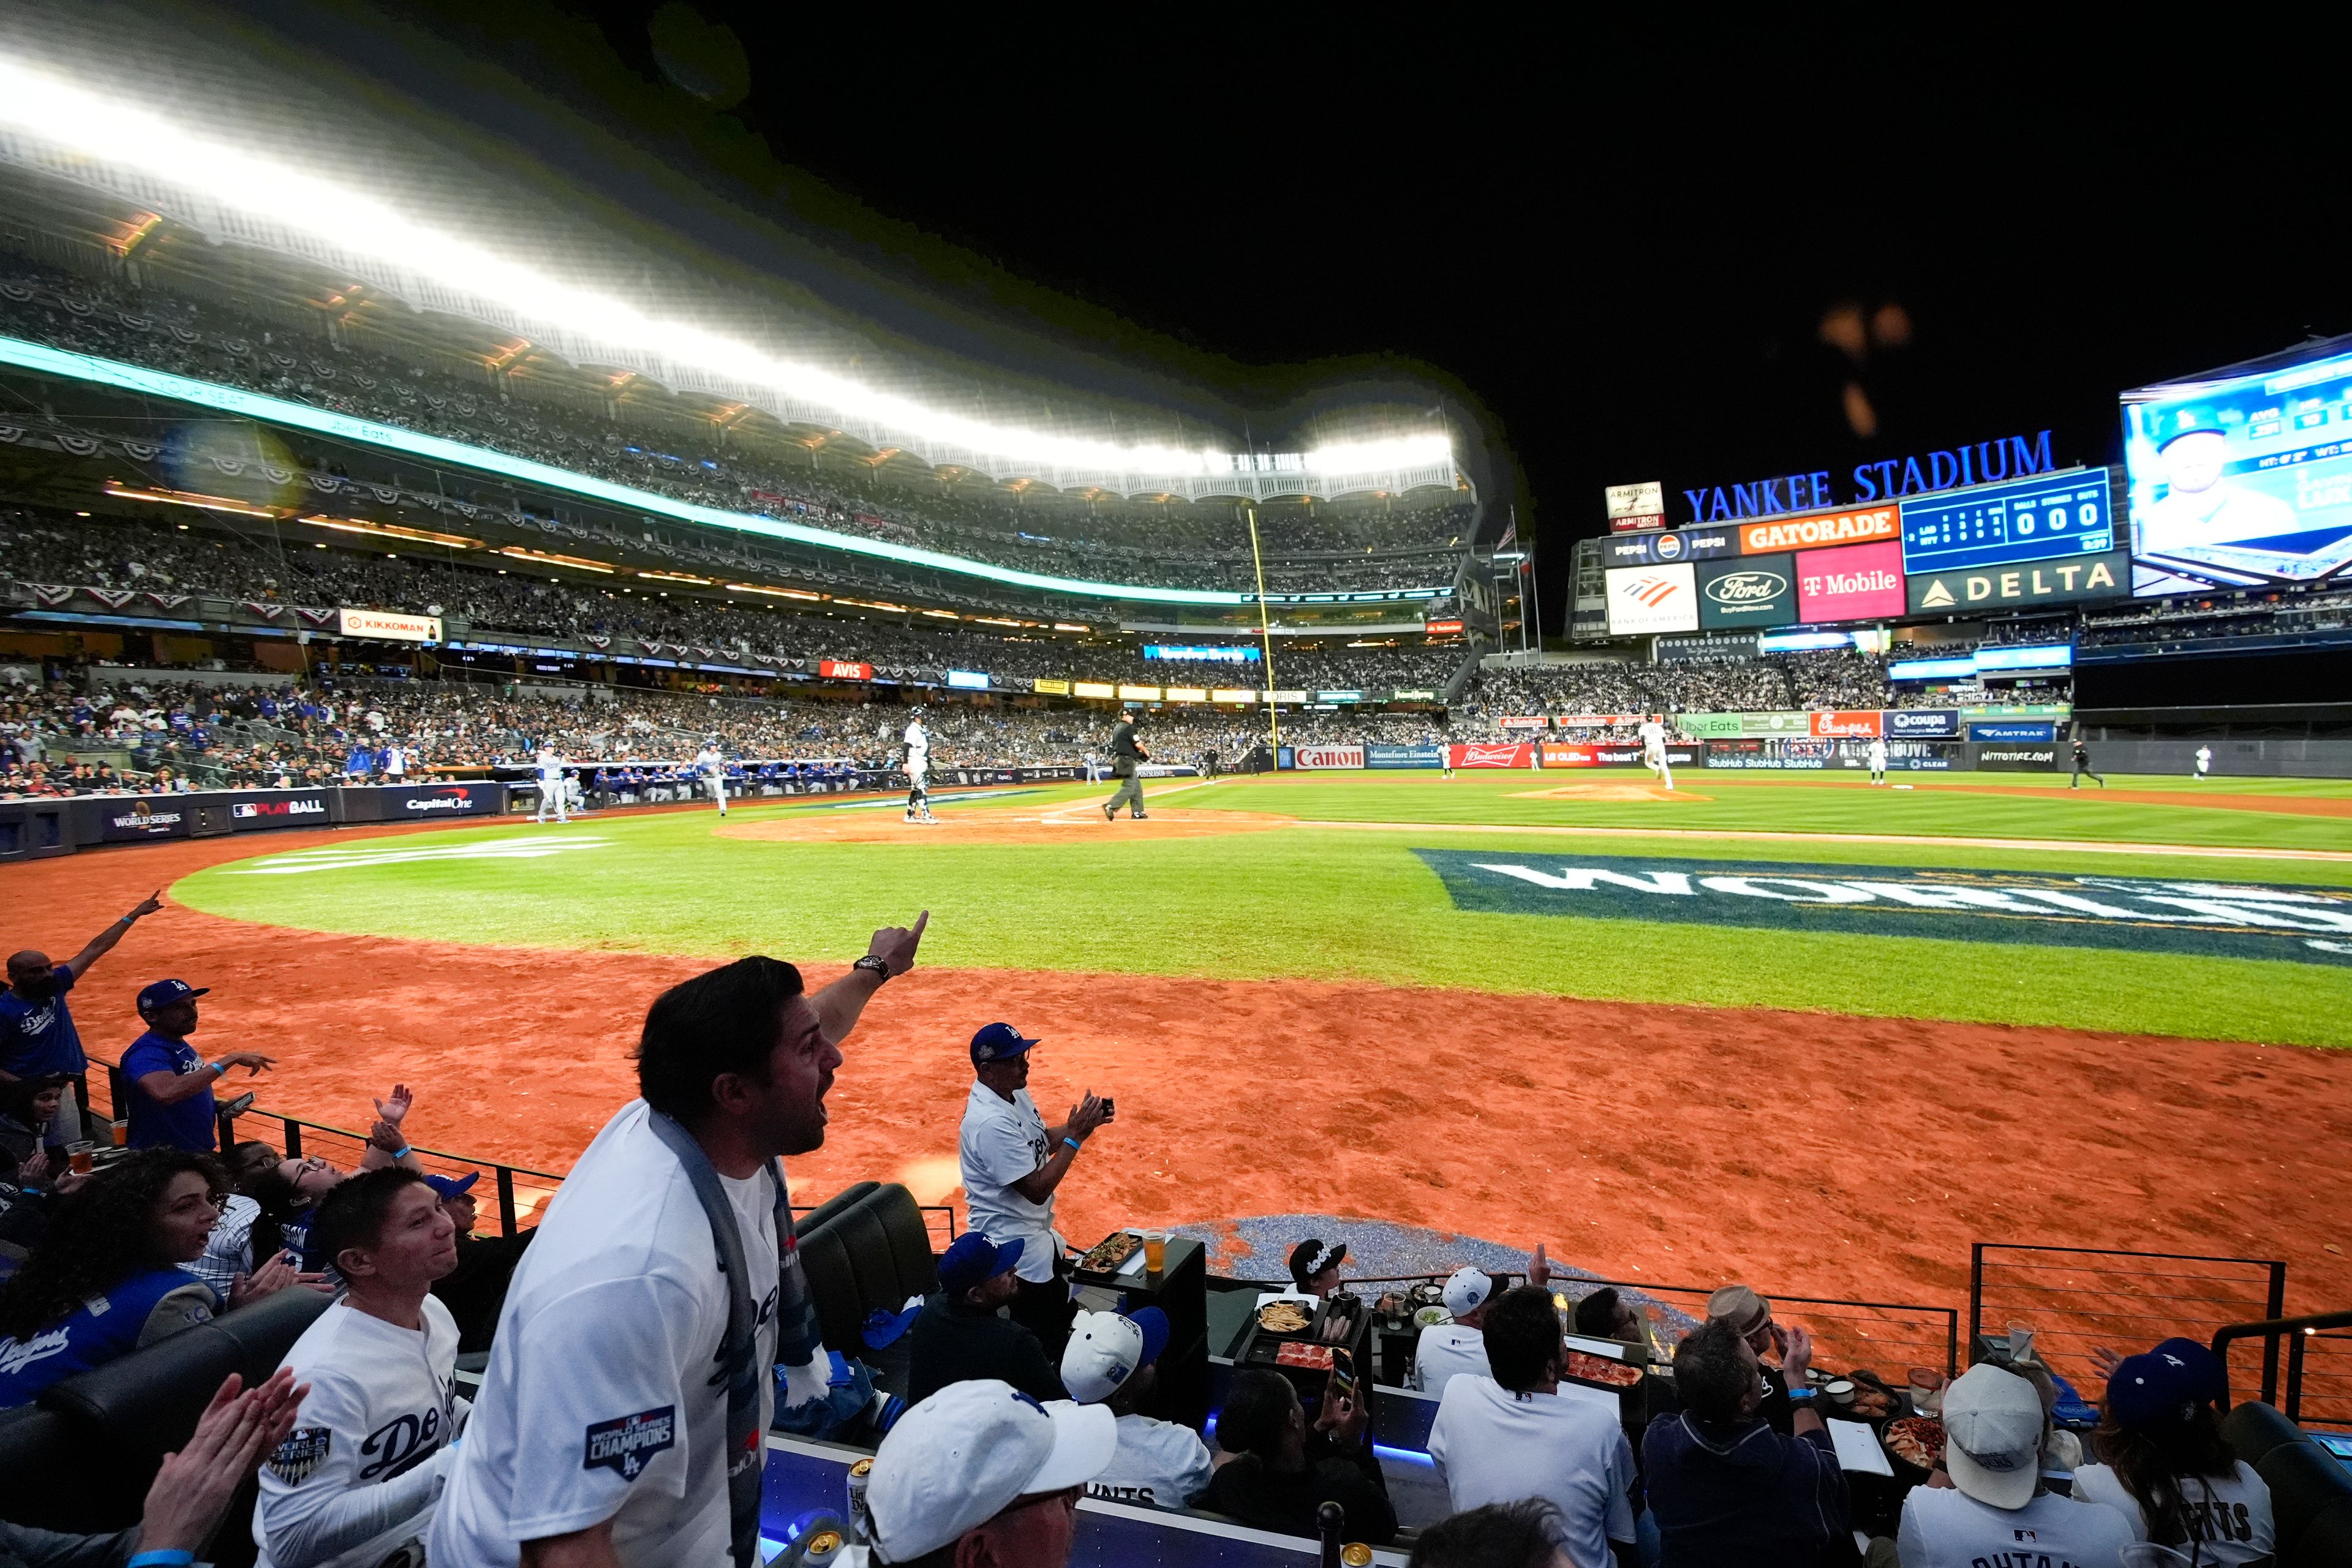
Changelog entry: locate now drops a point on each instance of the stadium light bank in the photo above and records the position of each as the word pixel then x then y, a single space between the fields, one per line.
pixel 93 128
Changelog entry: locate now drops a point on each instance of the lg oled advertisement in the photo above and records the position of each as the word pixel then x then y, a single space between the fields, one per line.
pixel 2243 479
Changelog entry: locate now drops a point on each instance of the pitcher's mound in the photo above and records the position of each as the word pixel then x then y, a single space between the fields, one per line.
pixel 1610 792
pixel 1009 825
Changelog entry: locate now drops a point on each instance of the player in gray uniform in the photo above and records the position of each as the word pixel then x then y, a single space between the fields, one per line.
pixel 551 786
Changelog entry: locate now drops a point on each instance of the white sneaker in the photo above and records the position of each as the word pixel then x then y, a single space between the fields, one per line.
pixel 908 817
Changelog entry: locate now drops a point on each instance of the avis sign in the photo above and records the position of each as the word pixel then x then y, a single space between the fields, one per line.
pixel 2235 920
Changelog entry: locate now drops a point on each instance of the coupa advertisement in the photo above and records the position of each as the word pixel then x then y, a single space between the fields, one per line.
pixel 2296 924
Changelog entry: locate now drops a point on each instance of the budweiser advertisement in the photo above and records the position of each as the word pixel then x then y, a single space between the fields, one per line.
pixel 1850 582
pixel 1509 755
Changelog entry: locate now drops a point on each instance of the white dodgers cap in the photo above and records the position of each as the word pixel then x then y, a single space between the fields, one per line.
pixel 1467 1290
pixel 1993 1436
pixel 962 1456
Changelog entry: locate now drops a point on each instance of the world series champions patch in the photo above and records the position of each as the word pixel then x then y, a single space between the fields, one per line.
pixel 304 1450
pixel 627 1444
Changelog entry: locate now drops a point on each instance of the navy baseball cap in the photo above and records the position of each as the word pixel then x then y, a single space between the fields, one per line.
pixel 164 993
pixel 2165 1385
pixel 452 1186
pixel 997 1042
pixel 972 1259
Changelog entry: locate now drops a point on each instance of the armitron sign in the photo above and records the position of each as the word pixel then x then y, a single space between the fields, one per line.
pixel 385 624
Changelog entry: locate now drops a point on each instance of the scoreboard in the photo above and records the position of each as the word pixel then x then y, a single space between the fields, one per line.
pixel 2000 525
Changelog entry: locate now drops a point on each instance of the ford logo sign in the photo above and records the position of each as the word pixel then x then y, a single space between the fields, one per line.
pixel 1746 587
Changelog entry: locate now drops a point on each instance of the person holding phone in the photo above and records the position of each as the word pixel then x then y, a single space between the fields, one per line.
pixel 1284 1469
pixel 1012 1165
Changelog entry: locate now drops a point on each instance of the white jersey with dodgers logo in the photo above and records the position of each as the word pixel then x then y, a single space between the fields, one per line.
pixel 1003 1142
pixel 599 1403
pixel 353 1485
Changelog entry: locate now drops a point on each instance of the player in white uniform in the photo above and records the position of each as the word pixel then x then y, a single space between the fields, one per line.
pixel 354 1484
pixel 919 764
pixel 713 769
pixel 1654 750
pixel 1877 751
pixel 600 1436
pixel 551 784
pixel 2204 762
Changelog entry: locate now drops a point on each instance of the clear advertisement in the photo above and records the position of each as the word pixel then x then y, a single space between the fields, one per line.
pixel 2243 482
pixel 386 625
pixel 1747 591
pixel 1852 582
pixel 1716 726
pixel 1652 599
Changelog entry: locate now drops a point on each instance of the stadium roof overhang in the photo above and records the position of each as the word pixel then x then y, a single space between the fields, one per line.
pixel 364 214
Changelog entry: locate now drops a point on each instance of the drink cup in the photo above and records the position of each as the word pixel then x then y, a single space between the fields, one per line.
pixel 1155 1251
pixel 79 1155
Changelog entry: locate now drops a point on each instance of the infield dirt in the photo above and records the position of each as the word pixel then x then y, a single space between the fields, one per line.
pixel 1804 1152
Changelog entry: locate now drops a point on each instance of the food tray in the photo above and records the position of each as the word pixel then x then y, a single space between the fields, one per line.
pixel 1111 1253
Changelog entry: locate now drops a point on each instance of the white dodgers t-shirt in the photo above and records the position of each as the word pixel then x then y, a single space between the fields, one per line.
pixel 600 1400
pixel 1945 1528
pixel 354 1481
pixel 2231 1516
pixel 1444 1351
pixel 1157 1464
pixel 1494 1445
pixel 1003 1142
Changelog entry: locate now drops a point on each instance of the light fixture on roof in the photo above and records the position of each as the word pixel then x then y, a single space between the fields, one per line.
pixel 190 497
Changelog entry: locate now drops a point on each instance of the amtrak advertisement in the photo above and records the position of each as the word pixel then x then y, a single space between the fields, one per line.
pixel 2243 481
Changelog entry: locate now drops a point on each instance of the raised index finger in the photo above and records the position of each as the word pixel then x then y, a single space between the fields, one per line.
pixel 920 922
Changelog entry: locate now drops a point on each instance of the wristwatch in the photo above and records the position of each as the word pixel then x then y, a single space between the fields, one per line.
pixel 874 963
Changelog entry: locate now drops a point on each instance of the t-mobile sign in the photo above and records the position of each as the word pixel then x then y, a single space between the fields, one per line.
pixel 1849 582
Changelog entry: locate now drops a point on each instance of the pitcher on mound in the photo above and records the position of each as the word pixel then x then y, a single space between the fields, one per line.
pixel 1654 750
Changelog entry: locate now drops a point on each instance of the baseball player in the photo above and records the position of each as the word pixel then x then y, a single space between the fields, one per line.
pixel 1127 760
pixel 2083 768
pixel 2204 762
pixel 1877 751
pixel 919 765
pixel 1652 736
pixel 551 786
pixel 713 769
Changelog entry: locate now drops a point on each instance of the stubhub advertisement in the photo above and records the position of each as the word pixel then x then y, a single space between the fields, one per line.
pixel 1849 582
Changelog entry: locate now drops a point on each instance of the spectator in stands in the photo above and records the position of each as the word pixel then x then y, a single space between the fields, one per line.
pixel 1750 1317
pixel 191 1490
pixel 476 1289
pixel 1114 1360
pixel 1728 1491
pixel 1994 1430
pixel 289 1189
pixel 1012 1163
pixel 36 1028
pixel 1446 1350
pixel 960 1333
pixel 1284 1469
pixel 106 1279
pixel 1518 1433
pixel 357 1480
pixel 2165 1466
pixel 620 1312
pixel 982 1476
pixel 27 1107
pixel 1315 1268
pixel 171 1087
pixel 1500 1535
pixel 1606 1315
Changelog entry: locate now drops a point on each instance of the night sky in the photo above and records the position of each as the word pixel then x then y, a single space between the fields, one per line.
pixel 1669 257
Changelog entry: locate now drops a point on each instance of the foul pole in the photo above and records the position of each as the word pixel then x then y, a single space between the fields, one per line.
pixel 1265 633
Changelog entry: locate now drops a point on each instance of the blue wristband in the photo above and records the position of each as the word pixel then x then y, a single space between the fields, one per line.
pixel 222 1071
pixel 402 1153
pixel 1801 1393
pixel 1073 1143
pixel 171 1557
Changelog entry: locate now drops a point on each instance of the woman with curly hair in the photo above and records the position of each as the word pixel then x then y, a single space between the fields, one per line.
pixel 2165 1465
pixel 107 1279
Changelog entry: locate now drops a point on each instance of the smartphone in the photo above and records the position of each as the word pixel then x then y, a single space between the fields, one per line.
pixel 1110 1108
pixel 1343 1374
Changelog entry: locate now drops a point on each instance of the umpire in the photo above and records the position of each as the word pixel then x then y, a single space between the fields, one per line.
pixel 1127 759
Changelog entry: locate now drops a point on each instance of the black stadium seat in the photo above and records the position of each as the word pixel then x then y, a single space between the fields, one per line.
pixel 866 1254
pixel 2311 1489
pixel 2255 1428
pixel 832 1206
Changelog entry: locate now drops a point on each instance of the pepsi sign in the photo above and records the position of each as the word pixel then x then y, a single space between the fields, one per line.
pixel 1668 546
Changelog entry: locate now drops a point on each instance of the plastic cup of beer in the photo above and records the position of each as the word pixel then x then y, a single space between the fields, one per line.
pixel 1155 1251
pixel 121 1131
pixel 77 1156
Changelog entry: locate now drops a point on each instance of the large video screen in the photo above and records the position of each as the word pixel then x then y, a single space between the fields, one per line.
pixel 2243 482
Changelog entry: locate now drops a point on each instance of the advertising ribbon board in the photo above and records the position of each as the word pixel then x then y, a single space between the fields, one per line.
pixel 1507 754
pixel 277 808
pixel 1326 756
pixel 388 625
pixel 2015 759
pixel 1557 755
pixel 2015 732
pixel 2054 908
pixel 1377 756
pixel 844 669
pixel 423 802
pixel 1524 721
pixel 1832 723
pixel 1925 723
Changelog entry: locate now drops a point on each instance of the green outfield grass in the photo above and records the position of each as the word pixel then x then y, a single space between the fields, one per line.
pixel 1337 903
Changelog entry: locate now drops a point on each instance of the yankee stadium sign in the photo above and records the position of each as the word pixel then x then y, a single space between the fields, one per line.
pixel 2222 919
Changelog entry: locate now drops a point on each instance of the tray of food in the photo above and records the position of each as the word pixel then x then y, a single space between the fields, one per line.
pixel 1304 1356
pixel 1917 1440
pixel 1104 1257
pixel 1602 1372
pixel 1871 1400
pixel 1286 1317
pixel 1335 1324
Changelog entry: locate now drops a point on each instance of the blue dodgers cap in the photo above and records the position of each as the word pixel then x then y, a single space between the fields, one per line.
pixel 164 993
pixel 1154 1324
pixel 972 1259
pixel 997 1042
pixel 2165 1385
pixel 452 1186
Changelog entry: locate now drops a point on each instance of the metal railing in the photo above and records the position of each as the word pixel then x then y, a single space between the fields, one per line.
pixel 2078 1299
pixel 2318 1352
pixel 1885 1338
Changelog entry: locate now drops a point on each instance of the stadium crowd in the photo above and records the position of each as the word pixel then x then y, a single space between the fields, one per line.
pixel 646 1272
pixel 1200 546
